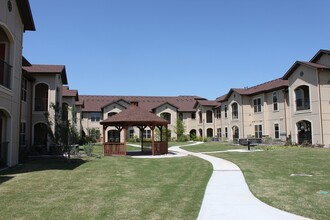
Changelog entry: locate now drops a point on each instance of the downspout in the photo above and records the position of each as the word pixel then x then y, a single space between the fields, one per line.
pixel 285 119
pixel 242 117
pixel 320 103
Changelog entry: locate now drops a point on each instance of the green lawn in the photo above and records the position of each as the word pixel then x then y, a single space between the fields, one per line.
pixel 105 188
pixel 268 176
pixel 212 146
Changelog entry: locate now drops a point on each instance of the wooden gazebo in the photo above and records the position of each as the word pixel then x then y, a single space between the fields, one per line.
pixel 135 116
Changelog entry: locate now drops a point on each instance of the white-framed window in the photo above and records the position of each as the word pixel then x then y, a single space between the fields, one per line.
pixel 209 116
pixel 95 116
pixel 146 134
pixel 219 134
pixel 218 113
pixel 258 131
pixel 276 131
pixel 257 104
pixel 234 111
pixel 131 133
pixel 24 90
pixel 226 111
pixel 275 101
pixel 22 133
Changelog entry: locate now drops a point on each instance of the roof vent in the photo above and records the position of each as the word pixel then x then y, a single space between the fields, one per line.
pixel 136 103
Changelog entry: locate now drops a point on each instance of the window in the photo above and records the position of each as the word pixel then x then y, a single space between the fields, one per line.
pixel 5 68
pixel 234 111
pixel 275 104
pixel 146 134
pixel 193 115
pixel 226 132
pixel 24 90
pixel 111 114
pixel 209 132
pixel 257 105
pixel 41 97
pixel 225 111
pixel 131 133
pixel 277 131
pixel 219 132
pixel 22 130
pixel 302 98
pixel 209 116
pixel 200 117
pixel 95 116
pixel 166 116
pixel 218 112
pixel 181 116
pixel 65 111
pixel 258 131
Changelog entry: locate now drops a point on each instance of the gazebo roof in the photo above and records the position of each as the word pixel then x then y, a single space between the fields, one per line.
pixel 134 116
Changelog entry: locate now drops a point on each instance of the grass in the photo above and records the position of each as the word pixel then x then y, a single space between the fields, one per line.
pixel 106 188
pixel 211 146
pixel 268 176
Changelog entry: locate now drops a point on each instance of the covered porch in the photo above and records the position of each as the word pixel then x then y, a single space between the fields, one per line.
pixel 135 116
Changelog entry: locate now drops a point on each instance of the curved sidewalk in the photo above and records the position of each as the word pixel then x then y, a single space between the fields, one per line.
pixel 227 195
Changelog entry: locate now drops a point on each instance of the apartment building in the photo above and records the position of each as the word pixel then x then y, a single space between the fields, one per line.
pixel 309 92
pixel 295 106
pixel 15 19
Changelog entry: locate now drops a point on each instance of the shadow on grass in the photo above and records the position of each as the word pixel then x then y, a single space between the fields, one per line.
pixel 40 164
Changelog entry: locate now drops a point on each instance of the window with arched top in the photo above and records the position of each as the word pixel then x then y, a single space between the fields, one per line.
pixel 41 97
pixel 234 111
pixel 209 116
pixel 166 116
pixel 5 67
pixel 302 98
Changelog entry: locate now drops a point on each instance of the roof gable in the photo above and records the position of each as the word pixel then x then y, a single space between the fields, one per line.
pixel 299 63
pixel 47 69
pixel 26 14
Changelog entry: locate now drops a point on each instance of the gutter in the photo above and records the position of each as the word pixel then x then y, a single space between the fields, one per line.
pixel 320 103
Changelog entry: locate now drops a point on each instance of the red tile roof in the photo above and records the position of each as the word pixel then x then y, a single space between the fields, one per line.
pixel 47 69
pixel 96 103
pixel 134 116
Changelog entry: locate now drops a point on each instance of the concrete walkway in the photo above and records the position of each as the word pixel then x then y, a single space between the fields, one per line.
pixel 227 195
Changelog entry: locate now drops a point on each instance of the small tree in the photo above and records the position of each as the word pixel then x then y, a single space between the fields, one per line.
pixel 179 129
pixel 63 133
pixel 94 134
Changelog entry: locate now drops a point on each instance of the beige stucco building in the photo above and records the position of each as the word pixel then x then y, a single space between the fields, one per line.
pixel 15 19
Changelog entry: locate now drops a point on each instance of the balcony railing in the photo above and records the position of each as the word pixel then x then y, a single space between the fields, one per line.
pixel 5 74
pixel 302 104
pixel 41 104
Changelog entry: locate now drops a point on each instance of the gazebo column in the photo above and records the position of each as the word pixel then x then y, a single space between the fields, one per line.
pixel 153 139
pixel 125 133
pixel 104 129
pixel 166 139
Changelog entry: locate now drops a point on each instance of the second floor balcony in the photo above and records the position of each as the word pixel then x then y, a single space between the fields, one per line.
pixel 5 74
pixel 302 104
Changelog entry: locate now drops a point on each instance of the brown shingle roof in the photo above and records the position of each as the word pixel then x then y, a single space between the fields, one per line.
pixel 96 103
pixel 26 14
pixel 47 69
pixel 66 92
pixel 318 55
pixel 134 116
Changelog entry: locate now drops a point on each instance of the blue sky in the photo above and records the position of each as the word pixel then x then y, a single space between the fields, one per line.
pixel 175 47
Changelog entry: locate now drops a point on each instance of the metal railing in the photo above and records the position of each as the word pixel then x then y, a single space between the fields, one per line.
pixel 5 74
pixel 302 104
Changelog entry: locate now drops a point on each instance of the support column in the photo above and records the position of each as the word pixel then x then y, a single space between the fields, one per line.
pixel 153 139
pixel 125 133
pixel 104 128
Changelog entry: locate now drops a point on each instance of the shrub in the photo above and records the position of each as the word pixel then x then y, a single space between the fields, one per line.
pixel 88 148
